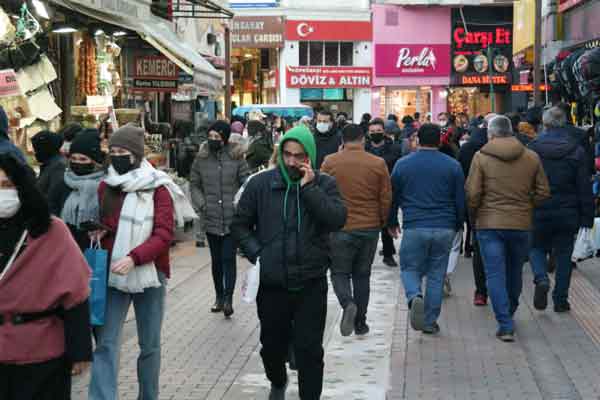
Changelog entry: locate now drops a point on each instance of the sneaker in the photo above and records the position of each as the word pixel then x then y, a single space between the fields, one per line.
pixel 361 328
pixel 348 317
pixel 434 329
pixel 540 296
pixel 506 336
pixel 562 307
pixel 200 244
pixel 417 313
pixel 390 262
pixel 447 286
pixel 277 393
pixel 480 300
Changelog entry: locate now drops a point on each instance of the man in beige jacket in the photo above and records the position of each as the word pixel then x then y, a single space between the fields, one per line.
pixel 506 182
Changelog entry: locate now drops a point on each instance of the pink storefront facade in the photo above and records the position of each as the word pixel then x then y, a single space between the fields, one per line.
pixel 411 55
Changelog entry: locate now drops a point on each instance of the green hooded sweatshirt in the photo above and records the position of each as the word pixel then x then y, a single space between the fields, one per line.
pixel 302 135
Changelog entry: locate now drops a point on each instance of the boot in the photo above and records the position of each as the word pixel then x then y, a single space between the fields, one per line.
pixel 218 306
pixel 228 307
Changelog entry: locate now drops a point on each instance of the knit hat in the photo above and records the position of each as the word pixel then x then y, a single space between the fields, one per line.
pixel 222 128
pixel 47 143
pixel 237 127
pixel 87 142
pixel 129 137
pixel 3 122
pixel 69 131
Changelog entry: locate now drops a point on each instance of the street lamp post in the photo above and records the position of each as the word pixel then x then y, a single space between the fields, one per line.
pixel 491 74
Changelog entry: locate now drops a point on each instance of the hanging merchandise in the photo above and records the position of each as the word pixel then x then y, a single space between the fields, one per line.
pixel 587 71
pixel 7 29
pixel 87 82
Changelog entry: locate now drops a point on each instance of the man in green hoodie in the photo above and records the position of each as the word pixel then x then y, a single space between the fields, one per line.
pixel 284 218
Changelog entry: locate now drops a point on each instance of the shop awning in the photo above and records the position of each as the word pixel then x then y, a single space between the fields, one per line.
pixel 159 35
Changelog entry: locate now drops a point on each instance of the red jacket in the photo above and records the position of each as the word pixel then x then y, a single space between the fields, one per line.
pixel 156 248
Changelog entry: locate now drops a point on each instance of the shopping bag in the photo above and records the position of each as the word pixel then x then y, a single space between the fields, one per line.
pixel 97 259
pixel 454 252
pixel 584 245
pixel 251 283
pixel 596 234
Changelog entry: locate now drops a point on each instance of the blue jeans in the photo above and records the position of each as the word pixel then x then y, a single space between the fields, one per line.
pixel 149 311
pixel 424 252
pixel 504 252
pixel 560 244
pixel 222 254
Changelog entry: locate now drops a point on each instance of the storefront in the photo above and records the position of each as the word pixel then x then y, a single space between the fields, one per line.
pixel 411 76
pixel 481 60
pixel 256 43
pixel 327 65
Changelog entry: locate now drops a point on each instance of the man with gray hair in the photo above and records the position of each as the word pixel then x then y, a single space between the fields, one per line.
pixel 571 207
pixel 505 181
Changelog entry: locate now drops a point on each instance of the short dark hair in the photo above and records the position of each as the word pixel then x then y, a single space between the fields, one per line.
pixel 366 117
pixel 417 115
pixel 344 113
pixel 392 117
pixel 430 135
pixel 328 113
pixel 407 119
pixel 377 121
pixel 515 119
pixel 352 133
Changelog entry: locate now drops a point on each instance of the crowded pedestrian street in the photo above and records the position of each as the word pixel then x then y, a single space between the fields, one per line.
pixel 208 357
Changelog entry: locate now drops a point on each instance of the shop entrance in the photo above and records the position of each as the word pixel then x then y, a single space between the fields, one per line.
pixel 335 100
pixel 406 101
pixel 473 101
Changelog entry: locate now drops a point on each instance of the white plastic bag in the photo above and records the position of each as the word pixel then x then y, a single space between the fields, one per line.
pixel 251 283
pixel 454 252
pixel 584 245
pixel 596 234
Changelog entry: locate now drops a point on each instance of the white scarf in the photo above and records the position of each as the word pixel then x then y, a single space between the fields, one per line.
pixel 137 221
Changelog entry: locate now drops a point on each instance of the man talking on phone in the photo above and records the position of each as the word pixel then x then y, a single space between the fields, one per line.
pixel 284 219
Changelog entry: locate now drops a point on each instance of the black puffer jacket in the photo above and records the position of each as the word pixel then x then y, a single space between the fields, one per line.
pixel 571 205
pixel 327 143
pixel 297 250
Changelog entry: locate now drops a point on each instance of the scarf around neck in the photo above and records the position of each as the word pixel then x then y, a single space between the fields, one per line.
pixel 82 204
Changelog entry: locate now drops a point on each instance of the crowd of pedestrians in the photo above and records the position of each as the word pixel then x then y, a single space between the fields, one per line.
pixel 300 200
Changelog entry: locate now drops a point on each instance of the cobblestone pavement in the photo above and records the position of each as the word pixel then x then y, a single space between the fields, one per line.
pixel 207 357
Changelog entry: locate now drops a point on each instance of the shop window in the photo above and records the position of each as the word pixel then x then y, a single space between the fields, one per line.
pixel 315 53
pixel 346 53
pixel 303 53
pixel 332 53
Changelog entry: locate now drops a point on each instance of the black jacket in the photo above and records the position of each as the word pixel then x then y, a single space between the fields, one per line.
pixel 582 137
pixel 295 250
pixel 52 174
pixel 467 151
pixel 390 152
pixel 327 143
pixel 571 205
pixel 57 198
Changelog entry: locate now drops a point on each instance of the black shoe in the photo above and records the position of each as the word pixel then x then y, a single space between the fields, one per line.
pixel 381 253
pixel 417 313
pixel 200 244
pixel 292 358
pixel 562 307
pixel 217 307
pixel 468 254
pixel 348 317
pixel 540 296
pixel 361 328
pixel 277 393
pixel 227 308
pixel 434 329
pixel 506 336
pixel 573 265
pixel 390 262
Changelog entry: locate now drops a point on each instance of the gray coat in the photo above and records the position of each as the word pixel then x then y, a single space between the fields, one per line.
pixel 214 181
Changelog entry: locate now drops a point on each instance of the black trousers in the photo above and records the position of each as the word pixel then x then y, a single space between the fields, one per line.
pixel 478 270
pixel 49 380
pixel 222 254
pixel 388 243
pixel 307 308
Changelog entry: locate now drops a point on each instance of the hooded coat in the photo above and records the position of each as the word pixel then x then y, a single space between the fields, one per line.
pixel 506 181
pixel 564 159
pixel 288 225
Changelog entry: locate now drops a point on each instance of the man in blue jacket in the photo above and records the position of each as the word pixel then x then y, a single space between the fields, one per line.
pixel 429 187
pixel 559 218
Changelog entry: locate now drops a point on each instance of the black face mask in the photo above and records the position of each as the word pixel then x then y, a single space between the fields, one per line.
pixel 377 137
pixel 82 169
pixel 121 164
pixel 294 173
pixel 215 145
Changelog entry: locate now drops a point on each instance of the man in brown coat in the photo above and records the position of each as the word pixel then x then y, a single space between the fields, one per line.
pixel 364 182
pixel 505 183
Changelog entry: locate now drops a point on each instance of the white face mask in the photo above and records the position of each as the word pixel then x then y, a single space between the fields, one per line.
pixel 323 127
pixel 9 203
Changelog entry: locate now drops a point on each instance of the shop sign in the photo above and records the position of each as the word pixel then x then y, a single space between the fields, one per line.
pixel 8 83
pixel 156 67
pixel 329 30
pixel 527 88
pixel 253 3
pixel 412 60
pixel 564 5
pixel 328 77
pixel 257 32
pixel 154 85
pixel 470 60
